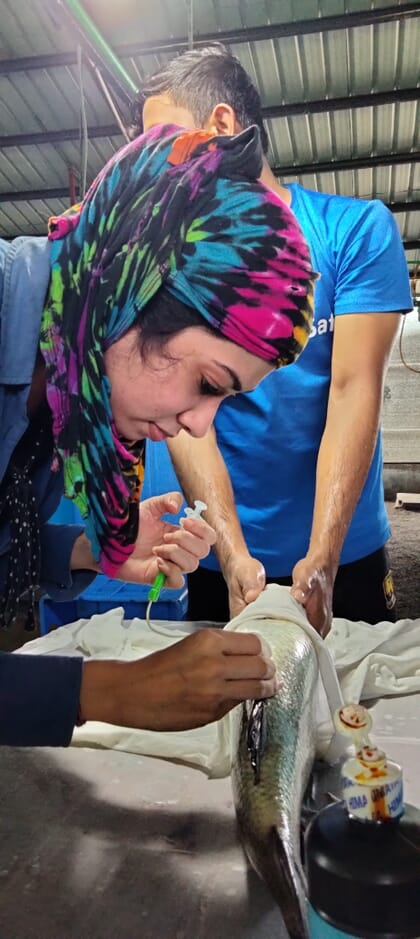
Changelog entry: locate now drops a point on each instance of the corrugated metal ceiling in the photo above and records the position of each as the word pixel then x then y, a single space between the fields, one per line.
pixel 360 146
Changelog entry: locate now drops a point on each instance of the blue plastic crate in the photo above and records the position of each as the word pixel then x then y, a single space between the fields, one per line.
pixel 105 594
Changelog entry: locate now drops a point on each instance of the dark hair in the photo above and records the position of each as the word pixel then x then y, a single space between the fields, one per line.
pixel 198 80
pixel 163 317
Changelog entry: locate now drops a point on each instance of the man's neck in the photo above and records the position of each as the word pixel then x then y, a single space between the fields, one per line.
pixel 270 180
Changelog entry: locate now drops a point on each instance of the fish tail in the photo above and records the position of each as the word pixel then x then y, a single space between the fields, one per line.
pixel 288 886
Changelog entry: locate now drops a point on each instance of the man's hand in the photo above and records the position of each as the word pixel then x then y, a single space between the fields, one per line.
pixel 191 683
pixel 245 579
pixel 313 588
pixel 173 550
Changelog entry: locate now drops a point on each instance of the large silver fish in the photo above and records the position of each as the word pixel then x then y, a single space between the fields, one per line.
pixel 273 751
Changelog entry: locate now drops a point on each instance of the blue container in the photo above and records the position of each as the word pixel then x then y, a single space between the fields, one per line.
pixel 106 594
pixel 320 929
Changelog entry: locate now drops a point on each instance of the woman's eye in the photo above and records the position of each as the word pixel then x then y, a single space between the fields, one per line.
pixel 206 388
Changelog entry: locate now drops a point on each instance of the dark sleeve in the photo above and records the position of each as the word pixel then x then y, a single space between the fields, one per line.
pixel 39 699
pixel 56 577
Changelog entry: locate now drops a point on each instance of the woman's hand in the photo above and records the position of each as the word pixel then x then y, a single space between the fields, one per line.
pixel 191 683
pixel 173 550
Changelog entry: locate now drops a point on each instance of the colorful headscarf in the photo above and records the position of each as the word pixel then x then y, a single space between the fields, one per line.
pixel 184 210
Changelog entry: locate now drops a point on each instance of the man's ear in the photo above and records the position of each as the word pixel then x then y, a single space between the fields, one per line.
pixel 222 120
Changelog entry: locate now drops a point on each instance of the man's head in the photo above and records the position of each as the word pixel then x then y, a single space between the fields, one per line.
pixel 205 87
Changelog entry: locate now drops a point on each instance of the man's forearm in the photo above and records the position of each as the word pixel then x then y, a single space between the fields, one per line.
pixel 202 474
pixel 345 455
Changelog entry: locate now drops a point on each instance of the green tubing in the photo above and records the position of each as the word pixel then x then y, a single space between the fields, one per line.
pixel 99 43
pixel 154 591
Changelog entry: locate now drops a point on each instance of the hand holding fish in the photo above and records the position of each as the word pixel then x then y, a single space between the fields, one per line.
pixel 245 579
pixel 189 684
pixel 313 588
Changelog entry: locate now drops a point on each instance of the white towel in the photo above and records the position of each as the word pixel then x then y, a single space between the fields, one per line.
pixel 371 662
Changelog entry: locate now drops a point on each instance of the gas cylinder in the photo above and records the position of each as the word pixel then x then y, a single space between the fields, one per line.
pixel 362 854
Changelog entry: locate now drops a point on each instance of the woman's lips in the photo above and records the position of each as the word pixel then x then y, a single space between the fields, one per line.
pixel 156 433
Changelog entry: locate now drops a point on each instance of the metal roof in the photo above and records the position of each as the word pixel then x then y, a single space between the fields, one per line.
pixel 338 79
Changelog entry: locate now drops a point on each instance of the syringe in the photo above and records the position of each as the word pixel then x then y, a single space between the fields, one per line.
pixel 160 578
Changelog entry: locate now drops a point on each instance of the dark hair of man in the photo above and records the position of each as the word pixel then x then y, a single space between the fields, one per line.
pixel 198 80
pixel 163 317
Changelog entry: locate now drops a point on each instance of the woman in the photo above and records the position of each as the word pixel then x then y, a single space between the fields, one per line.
pixel 178 281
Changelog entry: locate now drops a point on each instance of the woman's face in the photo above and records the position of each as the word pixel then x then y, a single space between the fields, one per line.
pixel 158 395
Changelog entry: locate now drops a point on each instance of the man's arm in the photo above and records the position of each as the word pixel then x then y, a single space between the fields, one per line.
pixel 202 474
pixel 362 344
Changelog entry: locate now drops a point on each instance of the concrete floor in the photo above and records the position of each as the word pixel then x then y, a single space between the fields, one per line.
pixel 404 550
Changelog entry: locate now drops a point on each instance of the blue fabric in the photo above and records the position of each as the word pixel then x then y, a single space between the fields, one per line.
pixel 356 247
pixel 38 696
pixel 24 277
pixel 39 699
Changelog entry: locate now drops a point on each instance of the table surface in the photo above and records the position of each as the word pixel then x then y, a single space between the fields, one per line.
pixel 111 845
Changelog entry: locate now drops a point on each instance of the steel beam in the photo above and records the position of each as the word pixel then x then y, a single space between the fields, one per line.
pixel 238 36
pixel 376 99
pixel 34 195
pixel 397 207
pixel 346 103
pixel 357 163
pixel 57 136
pixel 332 166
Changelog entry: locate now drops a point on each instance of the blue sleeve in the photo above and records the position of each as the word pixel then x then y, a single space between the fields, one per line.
pixel 372 274
pixel 56 577
pixel 39 699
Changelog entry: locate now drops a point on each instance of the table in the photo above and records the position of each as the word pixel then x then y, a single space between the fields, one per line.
pixel 100 844
pixel 110 845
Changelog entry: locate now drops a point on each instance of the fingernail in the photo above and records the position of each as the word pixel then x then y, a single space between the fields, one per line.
pixel 298 595
pixel 266 649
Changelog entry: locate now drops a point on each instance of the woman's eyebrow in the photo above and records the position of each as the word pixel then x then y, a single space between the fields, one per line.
pixel 236 384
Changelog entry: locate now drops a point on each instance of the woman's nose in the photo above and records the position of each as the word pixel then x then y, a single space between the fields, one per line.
pixel 198 420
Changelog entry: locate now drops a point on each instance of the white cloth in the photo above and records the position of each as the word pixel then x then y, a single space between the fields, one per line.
pixel 276 604
pixel 376 661
pixel 371 662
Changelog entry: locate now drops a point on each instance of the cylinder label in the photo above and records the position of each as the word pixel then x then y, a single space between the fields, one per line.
pixel 369 796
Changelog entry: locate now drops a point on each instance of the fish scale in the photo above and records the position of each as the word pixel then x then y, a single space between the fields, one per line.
pixel 269 810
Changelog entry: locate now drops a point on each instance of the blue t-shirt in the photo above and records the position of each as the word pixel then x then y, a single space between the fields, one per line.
pixel 270 438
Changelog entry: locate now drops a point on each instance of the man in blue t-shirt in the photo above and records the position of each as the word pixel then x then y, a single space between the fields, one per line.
pixel 304 503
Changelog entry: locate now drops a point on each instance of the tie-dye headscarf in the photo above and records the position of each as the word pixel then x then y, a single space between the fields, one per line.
pixel 173 208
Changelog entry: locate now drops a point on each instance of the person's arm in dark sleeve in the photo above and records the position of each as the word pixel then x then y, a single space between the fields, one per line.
pixel 39 699
pixel 58 579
